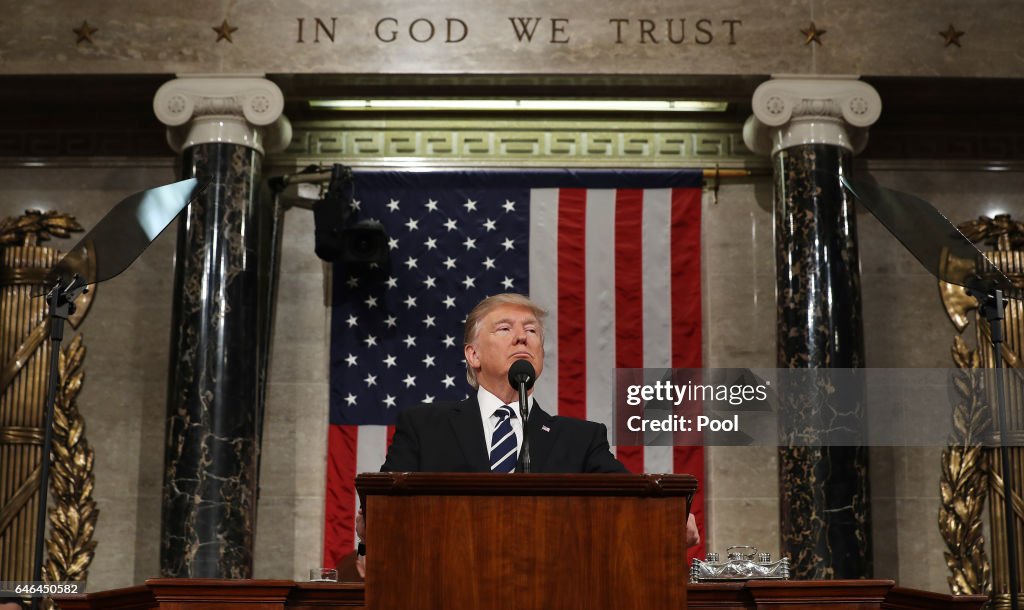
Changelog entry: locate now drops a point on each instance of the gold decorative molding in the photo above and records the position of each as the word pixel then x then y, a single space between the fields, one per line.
pixel 519 142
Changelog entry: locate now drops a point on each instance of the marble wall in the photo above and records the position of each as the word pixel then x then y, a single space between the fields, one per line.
pixel 127 336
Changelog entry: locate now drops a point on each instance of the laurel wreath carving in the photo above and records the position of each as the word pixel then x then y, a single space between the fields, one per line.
pixel 73 517
pixel 963 479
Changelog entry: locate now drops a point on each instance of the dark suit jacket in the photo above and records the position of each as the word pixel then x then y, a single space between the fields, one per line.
pixel 449 437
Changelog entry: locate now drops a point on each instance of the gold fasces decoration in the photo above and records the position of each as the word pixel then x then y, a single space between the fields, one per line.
pixel 35 227
pixel 963 480
pixel 1000 231
pixel 73 517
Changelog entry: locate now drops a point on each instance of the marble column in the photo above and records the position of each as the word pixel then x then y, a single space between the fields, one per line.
pixel 812 127
pixel 223 304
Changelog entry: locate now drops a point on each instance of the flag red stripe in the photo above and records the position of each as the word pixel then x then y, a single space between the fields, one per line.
pixel 572 294
pixel 686 328
pixel 340 510
pixel 686 296
pixel 629 303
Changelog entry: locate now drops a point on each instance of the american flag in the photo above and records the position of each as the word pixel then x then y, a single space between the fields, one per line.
pixel 613 256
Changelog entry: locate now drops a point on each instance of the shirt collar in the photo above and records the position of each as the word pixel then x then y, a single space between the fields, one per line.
pixel 489 403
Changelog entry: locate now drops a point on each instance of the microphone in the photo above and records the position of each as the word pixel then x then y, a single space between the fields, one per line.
pixel 521 376
pixel 520 372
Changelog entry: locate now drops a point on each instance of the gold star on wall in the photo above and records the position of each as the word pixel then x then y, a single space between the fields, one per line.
pixel 952 35
pixel 84 32
pixel 224 32
pixel 813 34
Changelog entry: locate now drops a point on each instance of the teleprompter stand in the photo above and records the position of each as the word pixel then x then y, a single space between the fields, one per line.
pixel 107 250
pixel 949 256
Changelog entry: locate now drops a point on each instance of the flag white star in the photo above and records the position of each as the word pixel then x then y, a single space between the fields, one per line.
pixel 389 400
pixel 449 302
pixel 431 205
pixel 428 361
pixel 449 263
pixel 430 282
pixel 468 282
pixel 391 321
pixel 351 360
pixel 489 225
pixel 392 243
pixel 352 282
pixel 489 263
pixel 370 340
pixel 392 282
pixel 409 381
pixel 371 301
pixel 393 205
pixel 390 361
pixel 510 206
pixel 409 341
pixel 449 341
pixel 370 380
pixel 470 205
pixel 430 321
pixel 507 283
pixel 470 243
pixel 428 399
pixel 448 381
pixel 413 224
pixel 410 262
pixel 431 243
pixel 508 244
pixel 354 204
pixel 451 225
pixel 410 301
pixel 351 321
pixel 350 399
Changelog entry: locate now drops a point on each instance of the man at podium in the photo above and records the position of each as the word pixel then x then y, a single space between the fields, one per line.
pixel 484 433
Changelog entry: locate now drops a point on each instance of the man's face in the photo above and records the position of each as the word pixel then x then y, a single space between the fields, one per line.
pixel 506 334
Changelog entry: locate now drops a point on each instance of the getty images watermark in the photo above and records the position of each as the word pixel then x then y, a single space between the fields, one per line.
pixel 797 407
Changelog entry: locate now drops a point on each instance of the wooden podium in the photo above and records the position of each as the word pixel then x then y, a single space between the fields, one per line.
pixel 526 541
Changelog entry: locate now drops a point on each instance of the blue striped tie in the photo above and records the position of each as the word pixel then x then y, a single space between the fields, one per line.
pixel 503 441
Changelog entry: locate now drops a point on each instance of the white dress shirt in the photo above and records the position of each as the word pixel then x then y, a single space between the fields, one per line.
pixel 489 403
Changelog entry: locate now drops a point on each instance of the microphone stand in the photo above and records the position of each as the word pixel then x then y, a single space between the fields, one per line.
pixel 61 304
pixel 523 464
pixel 992 305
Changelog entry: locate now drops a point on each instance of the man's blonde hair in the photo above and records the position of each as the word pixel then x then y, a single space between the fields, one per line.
pixel 484 307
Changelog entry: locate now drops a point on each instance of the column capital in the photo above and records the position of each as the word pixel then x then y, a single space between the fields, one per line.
pixel 238 109
pixel 794 110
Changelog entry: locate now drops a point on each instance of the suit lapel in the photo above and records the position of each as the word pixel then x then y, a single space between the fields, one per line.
pixel 469 430
pixel 542 437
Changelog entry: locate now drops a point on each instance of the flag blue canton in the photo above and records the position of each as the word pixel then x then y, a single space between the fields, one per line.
pixel 397 332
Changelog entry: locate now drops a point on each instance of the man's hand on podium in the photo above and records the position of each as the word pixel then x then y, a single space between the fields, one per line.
pixel 361 535
pixel 692 534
